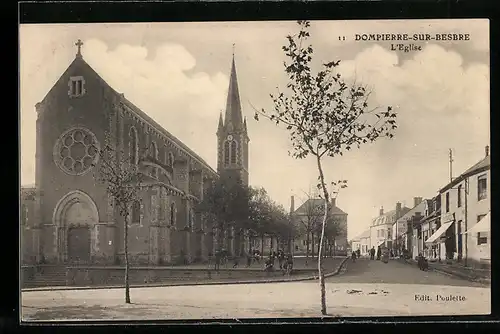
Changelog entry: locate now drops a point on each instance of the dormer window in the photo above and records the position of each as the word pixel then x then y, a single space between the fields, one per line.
pixel 76 86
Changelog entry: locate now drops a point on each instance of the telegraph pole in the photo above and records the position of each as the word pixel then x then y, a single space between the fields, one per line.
pixel 451 165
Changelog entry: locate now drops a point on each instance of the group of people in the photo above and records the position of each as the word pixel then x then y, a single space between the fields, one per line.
pixel 285 261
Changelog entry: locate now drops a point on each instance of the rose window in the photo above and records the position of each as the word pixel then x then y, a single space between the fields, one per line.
pixel 76 151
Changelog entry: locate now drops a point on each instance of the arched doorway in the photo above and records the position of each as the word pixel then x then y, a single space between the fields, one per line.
pixel 75 216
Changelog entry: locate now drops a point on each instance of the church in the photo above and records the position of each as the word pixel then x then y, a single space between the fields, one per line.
pixel 69 218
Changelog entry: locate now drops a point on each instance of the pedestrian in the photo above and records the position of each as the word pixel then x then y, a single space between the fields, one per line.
pixel 379 253
pixel 422 262
pixel 353 256
pixel 249 260
pixel 372 253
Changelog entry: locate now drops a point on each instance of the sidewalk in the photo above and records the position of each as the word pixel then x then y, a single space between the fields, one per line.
pixel 459 271
pixel 340 268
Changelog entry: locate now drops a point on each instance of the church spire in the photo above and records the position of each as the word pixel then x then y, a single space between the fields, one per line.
pixel 233 114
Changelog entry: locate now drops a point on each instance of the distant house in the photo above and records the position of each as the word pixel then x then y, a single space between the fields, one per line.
pixel 466 201
pixel 404 227
pixel 381 227
pixel 307 220
pixel 361 242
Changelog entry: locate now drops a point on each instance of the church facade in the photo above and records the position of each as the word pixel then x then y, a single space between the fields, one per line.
pixel 72 218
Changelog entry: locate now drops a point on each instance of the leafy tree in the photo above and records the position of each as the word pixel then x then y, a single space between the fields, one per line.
pixel 325 116
pixel 259 213
pixel 224 207
pixel 122 179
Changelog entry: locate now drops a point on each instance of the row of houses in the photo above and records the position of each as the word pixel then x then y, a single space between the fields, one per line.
pixel 454 225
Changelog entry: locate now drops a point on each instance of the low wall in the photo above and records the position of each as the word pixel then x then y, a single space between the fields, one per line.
pixel 27 273
pixel 84 276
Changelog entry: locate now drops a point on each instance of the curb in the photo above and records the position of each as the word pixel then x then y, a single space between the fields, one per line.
pixel 455 274
pixel 166 284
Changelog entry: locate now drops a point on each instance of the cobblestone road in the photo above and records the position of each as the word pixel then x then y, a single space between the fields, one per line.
pixel 394 272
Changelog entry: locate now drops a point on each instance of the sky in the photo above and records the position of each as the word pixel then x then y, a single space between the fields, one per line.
pixel 178 73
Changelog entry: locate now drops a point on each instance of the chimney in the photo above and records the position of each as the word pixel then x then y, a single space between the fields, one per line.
pixel 334 202
pixel 381 211
pixel 417 201
pixel 487 150
pixel 292 205
pixel 398 210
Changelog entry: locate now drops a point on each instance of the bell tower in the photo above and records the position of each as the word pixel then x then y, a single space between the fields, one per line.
pixel 232 136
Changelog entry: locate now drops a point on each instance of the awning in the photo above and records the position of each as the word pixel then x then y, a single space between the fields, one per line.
pixel 438 233
pixel 483 225
pixel 380 243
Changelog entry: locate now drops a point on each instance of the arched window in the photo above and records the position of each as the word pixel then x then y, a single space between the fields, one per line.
pixel 135 214
pixel 153 152
pixel 227 146
pixel 233 151
pixel 173 212
pixel 133 145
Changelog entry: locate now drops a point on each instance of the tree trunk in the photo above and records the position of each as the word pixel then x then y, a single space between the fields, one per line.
pixel 307 247
pixel 312 244
pixel 125 236
pixel 325 216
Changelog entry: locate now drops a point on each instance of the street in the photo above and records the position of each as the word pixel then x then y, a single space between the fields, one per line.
pixel 394 272
pixel 368 288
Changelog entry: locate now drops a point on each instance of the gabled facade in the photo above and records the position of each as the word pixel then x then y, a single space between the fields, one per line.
pixel 75 220
pixel 310 214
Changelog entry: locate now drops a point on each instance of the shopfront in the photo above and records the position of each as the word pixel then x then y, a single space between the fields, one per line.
pixel 442 242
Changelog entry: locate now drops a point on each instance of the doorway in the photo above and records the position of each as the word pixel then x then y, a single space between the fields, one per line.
pixel 79 244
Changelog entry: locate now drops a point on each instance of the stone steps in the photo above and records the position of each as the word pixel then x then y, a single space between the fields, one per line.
pixel 47 277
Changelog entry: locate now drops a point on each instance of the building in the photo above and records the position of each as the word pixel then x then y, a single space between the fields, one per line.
pixel 362 242
pixel 307 219
pixel 381 227
pixel 404 227
pixel 466 200
pixel 73 219
pixel 430 224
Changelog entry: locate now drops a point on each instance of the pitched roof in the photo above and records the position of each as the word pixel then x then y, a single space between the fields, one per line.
pixel 480 166
pixel 312 204
pixel 388 217
pixel 419 208
pixel 142 114
pixel 365 234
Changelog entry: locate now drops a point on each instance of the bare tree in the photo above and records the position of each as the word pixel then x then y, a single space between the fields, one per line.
pixel 309 219
pixel 325 116
pixel 120 174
